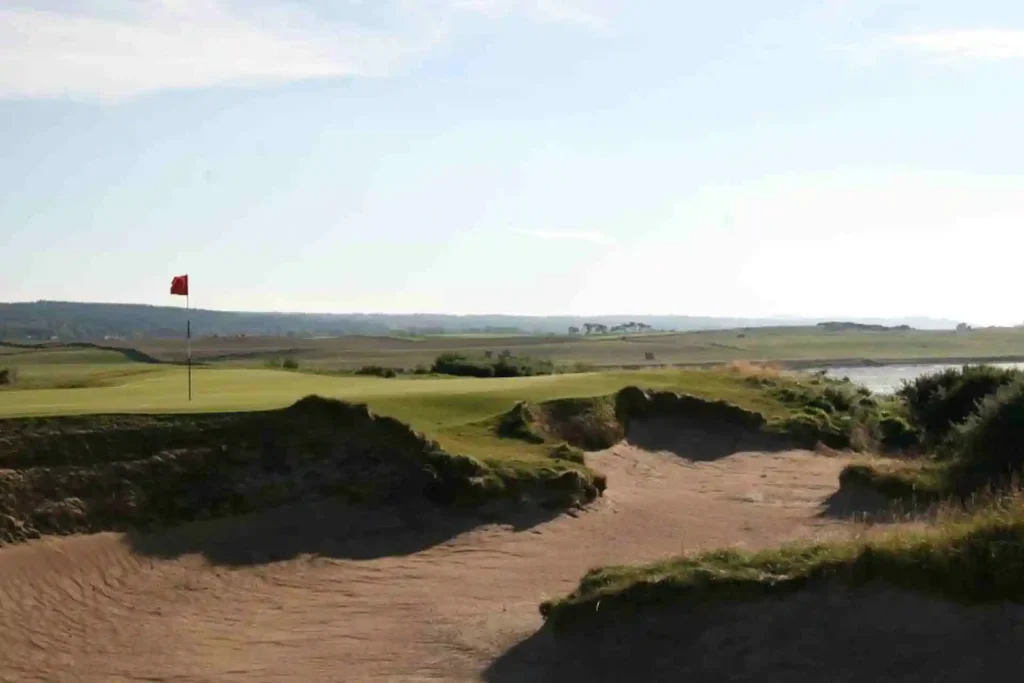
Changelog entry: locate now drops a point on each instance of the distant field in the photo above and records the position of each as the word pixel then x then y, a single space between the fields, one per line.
pixel 61 367
pixel 785 344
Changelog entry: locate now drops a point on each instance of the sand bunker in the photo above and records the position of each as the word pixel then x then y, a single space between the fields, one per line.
pixel 324 592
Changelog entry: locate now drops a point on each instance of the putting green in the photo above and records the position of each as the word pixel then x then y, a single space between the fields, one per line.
pixel 431 400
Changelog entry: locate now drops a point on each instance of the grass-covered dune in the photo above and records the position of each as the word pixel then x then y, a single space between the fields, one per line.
pixel 117 472
pixel 800 410
pixel 977 557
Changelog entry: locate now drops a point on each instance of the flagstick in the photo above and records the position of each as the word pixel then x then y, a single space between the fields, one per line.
pixel 188 343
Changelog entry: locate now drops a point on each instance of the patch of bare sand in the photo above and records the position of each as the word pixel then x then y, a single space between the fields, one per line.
pixel 390 597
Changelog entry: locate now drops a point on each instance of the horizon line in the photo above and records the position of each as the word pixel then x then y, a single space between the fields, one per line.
pixel 774 316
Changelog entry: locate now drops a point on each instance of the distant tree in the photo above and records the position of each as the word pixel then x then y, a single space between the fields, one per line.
pixel 574 330
pixel 963 327
pixel 589 327
pixel 648 355
pixel 488 354
pixel 6 377
pixel 600 329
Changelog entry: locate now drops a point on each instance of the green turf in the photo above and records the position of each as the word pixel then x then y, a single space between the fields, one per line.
pixel 458 412
pixel 427 401
pixel 69 368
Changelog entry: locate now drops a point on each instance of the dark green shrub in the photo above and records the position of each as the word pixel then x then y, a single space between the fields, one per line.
pixel 523 367
pixel 896 433
pixel 457 364
pixel 991 442
pixel 377 371
pixel 841 398
pixel 936 403
pixel 290 363
pixel 7 377
pixel 504 366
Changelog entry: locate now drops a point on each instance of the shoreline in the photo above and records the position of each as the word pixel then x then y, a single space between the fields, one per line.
pixel 831 363
pixel 834 363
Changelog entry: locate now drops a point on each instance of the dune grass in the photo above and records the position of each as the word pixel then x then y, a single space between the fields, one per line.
pixel 914 481
pixel 975 556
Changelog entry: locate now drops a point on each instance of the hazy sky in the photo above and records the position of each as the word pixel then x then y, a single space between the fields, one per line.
pixel 739 157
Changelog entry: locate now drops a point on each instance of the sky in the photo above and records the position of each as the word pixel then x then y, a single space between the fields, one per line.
pixel 735 158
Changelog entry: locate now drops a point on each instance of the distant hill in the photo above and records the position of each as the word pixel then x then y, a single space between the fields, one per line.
pixel 845 326
pixel 72 321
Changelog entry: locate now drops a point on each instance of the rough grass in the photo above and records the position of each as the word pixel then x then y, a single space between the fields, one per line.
pixel 583 423
pixel 913 481
pixel 971 557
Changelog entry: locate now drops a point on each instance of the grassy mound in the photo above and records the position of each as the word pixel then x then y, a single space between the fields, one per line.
pixel 805 411
pixel 601 422
pixel 581 423
pixel 67 475
pixel 633 403
pixel 977 558
pixel 839 414
pixel 921 481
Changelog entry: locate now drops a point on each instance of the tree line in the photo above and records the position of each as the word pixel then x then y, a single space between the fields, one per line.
pixel 599 328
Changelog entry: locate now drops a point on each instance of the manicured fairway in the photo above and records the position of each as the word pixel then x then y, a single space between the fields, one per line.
pixel 163 389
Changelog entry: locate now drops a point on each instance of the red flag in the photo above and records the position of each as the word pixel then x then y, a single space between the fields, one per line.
pixel 179 285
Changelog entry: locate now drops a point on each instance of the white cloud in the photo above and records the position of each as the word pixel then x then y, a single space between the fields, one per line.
pixel 132 48
pixel 591 14
pixel 592 237
pixel 112 50
pixel 963 45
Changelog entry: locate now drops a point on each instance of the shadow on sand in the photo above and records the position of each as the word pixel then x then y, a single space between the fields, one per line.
pixel 330 529
pixel 815 636
pixel 700 440
pixel 859 504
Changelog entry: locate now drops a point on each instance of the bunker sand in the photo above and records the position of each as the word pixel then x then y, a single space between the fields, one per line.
pixel 396 597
